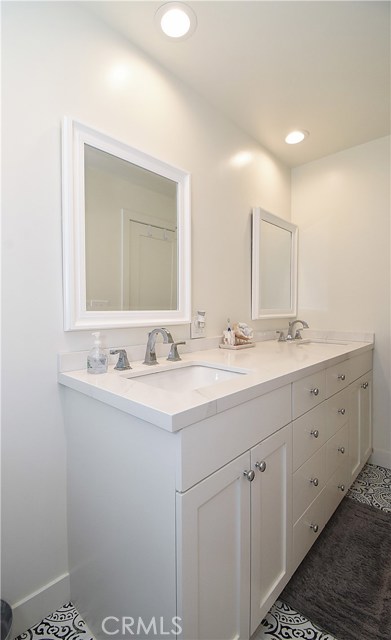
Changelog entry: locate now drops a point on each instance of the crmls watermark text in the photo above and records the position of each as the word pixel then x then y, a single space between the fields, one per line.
pixel 113 626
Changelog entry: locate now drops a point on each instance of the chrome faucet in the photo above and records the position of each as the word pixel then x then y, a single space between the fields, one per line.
pixel 150 354
pixel 123 362
pixel 297 335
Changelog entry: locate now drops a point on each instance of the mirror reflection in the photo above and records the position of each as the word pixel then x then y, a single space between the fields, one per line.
pixel 126 234
pixel 274 266
pixel 130 235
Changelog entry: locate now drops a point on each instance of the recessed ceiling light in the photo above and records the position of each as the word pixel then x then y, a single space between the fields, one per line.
pixel 176 20
pixel 294 137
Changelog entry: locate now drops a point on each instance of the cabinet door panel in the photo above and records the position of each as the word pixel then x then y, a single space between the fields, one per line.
pixel 271 521
pixel 213 537
pixel 365 408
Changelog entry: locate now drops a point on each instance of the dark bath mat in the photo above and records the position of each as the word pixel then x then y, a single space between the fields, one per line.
pixel 344 583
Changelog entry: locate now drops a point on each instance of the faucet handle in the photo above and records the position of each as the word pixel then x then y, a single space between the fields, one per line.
pixel 123 362
pixel 174 356
pixel 281 337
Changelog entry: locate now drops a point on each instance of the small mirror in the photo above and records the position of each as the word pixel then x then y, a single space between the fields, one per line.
pixel 274 266
pixel 126 230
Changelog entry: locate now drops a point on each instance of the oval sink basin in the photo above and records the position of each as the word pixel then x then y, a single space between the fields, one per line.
pixel 187 378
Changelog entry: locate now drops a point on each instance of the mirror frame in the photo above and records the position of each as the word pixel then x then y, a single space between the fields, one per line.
pixel 259 312
pixel 76 316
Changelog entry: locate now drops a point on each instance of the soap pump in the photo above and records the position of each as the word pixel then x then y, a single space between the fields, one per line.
pixel 97 359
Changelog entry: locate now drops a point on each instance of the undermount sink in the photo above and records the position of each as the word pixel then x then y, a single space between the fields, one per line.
pixel 321 342
pixel 187 378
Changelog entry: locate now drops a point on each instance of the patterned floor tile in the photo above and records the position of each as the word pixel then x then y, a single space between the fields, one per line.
pixel 63 624
pixel 284 623
pixel 373 486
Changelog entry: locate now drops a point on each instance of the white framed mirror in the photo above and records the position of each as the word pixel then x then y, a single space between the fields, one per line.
pixel 126 234
pixel 274 266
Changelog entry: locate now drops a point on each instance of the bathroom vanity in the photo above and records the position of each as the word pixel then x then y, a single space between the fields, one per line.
pixel 192 507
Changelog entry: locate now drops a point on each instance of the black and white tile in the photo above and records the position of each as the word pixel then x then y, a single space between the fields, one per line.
pixel 284 623
pixel 63 624
pixel 372 486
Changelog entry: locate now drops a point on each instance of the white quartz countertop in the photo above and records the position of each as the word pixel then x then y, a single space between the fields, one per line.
pixel 269 365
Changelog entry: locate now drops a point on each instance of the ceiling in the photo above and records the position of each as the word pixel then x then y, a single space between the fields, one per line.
pixel 273 66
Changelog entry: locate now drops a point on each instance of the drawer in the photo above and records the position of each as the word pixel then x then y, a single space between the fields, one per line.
pixel 308 392
pixel 207 445
pixel 310 432
pixel 338 377
pixel 337 487
pixel 308 482
pixel 308 528
pixel 338 410
pixel 337 451
pixel 361 364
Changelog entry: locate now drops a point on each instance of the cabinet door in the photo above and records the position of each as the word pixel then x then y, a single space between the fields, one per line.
pixel 213 538
pixel 365 409
pixel 271 521
pixel 360 424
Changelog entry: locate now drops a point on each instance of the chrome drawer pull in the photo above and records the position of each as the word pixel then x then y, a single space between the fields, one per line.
pixel 314 481
pixel 261 466
pixel 341 487
pixel 365 385
pixel 341 449
pixel 250 475
pixel 342 377
pixel 314 527
pixel 342 411
pixel 315 391
pixel 315 433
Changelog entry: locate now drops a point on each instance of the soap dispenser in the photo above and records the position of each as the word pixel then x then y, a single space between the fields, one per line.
pixel 97 359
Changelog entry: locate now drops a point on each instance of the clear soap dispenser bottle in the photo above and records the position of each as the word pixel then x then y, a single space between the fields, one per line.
pixel 97 359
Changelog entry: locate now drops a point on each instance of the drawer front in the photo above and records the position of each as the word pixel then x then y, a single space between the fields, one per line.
pixel 337 451
pixel 361 364
pixel 338 377
pixel 338 409
pixel 308 392
pixel 208 445
pixel 308 528
pixel 310 432
pixel 337 487
pixel 308 482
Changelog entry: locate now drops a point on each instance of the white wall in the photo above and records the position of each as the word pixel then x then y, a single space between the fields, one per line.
pixel 58 61
pixel 342 206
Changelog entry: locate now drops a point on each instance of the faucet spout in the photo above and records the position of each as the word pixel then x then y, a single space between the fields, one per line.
pixel 150 354
pixel 297 335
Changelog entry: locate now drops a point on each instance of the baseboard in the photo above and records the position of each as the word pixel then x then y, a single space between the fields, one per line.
pixel 39 604
pixel 381 457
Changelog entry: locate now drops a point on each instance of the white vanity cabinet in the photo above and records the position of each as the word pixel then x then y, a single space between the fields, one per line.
pixel 205 525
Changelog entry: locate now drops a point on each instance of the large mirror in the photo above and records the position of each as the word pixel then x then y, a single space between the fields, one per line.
pixel 274 266
pixel 126 234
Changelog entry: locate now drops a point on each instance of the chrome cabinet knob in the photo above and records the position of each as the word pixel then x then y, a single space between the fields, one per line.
pixel 314 527
pixel 341 487
pixel 315 391
pixel 365 385
pixel 342 377
pixel 315 433
pixel 314 481
pixel 341 449
pixel 342 411
pixel 261 466
pixel 250 475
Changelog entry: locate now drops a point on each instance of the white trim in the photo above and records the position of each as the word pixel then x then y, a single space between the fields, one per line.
pixel 39 604
pixel 76 316
pixel 257 311
pixel 381 458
